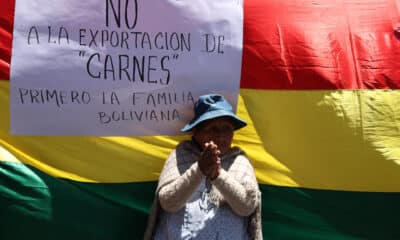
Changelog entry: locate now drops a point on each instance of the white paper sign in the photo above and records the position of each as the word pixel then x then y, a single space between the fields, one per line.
pixel 120 67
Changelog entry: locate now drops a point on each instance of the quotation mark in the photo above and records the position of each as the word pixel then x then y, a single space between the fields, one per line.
pixel 81 53
pixel 175 56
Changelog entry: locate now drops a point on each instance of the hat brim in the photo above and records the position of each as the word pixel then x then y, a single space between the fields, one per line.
pixel 237 122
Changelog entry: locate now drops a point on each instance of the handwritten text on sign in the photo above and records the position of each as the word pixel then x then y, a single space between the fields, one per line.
pixel 120 67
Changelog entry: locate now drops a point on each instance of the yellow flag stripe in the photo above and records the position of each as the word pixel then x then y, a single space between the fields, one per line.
pixel 340 140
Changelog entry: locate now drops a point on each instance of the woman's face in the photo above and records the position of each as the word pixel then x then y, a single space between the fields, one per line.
pixel 219 130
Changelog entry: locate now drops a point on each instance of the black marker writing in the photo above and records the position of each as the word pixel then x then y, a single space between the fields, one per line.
pixel 135 69
pixel 130 13
pixel 139 116
pixel 53 96
pixel 33 33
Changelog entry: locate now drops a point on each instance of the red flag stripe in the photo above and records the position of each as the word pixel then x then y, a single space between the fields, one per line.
pixel 302 45
pixel 6 29
pixel 321 45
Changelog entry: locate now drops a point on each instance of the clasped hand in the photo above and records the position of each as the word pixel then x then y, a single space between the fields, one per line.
pixel 210 161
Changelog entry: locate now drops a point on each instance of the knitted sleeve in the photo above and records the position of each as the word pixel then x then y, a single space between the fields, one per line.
pixel 174 195
pixel 242 194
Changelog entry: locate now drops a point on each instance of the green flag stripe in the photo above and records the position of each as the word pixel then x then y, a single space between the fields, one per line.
pixel 298 213
pixel 35 205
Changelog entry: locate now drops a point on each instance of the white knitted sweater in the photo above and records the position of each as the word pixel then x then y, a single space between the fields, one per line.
pixel 236 186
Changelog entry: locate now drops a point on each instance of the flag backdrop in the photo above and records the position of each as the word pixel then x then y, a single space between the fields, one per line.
pixel 320 90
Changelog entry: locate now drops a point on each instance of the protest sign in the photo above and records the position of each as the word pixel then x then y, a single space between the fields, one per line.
pixel 120 67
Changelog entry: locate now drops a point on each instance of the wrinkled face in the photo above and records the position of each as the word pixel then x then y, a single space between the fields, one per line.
pixel 219 130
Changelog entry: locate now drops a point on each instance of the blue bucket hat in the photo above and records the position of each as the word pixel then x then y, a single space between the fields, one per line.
pixel 212 106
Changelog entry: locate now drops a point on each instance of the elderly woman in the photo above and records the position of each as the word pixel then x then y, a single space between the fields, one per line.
pixel 207 189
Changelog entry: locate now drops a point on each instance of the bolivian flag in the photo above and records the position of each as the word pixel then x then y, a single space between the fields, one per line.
pixel 319 89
